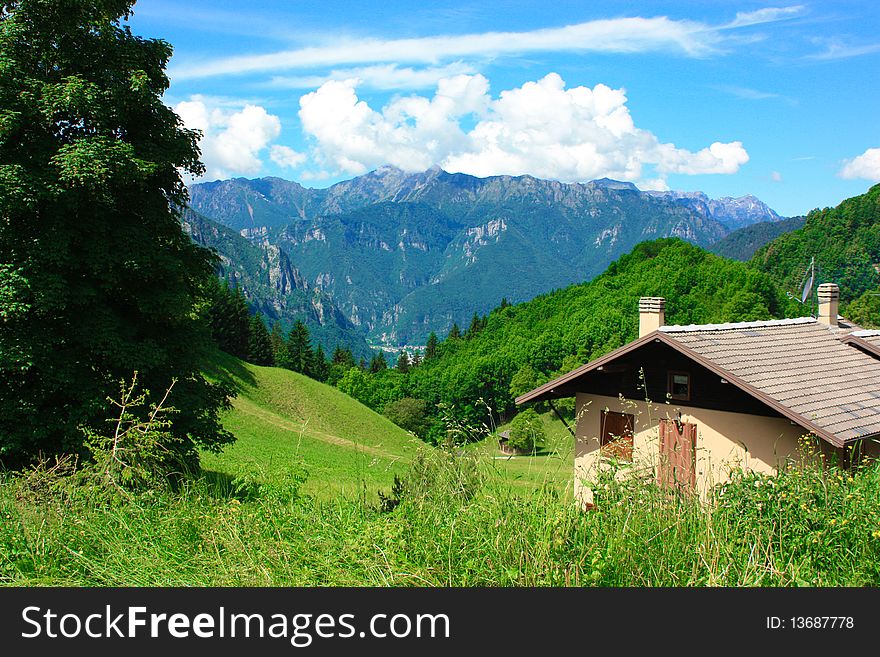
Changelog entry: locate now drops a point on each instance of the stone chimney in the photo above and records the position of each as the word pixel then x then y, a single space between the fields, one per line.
pixel 652 314
pixel 829 301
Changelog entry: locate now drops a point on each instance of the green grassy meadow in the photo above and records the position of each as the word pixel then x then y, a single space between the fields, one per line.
pixel 295 503
pixel 283 419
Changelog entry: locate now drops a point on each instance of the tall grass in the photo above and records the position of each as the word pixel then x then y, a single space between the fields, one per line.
pixel 456 523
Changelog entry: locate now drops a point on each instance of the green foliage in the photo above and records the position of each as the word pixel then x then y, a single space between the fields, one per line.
pixel 320 367
pixel 409 414
pixel 228 318
pixel 525 380
pixel 844 240
pixel 260 351
pixel 96 277
pixel 741 244
pixel 378 362
pixel 453 524
pixel 138 454
pixel 527 431
pixel 533 340
pixel 865 311
pixel 431 346
pixel 300 357
pixel 403 362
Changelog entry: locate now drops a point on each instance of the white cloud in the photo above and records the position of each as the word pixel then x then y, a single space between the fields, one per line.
pixel 836 49
pixel 232 139
pixel 765 15
pixel 866 165
pixel 411 132
pixel 775 176
pixel 383 76
pixel 285 156
pixel 617 35
pixel 540 128
pixel 623 35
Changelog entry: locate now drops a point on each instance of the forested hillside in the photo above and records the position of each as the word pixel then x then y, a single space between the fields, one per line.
pixel 844 240
pixel 741 244
pixel 514 348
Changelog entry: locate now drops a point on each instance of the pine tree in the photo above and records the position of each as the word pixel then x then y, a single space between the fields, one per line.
pixel 320 366
pixel 454 333
pixel 299 349
pixel 378 363
pixel 475 327
pixel 96 276
pixel 403 362
pixel 229 318
pixel 416 359
pixel 260 343
pixel 431 346
pixel 279 346
pixel 343 356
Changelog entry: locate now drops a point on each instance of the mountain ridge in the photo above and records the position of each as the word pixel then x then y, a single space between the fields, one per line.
pixel 403 254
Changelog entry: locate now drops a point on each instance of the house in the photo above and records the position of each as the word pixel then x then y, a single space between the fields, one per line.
pixel 687 403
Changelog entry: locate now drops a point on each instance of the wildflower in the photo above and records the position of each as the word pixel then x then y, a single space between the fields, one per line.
pixel 876 533
pixel 833 521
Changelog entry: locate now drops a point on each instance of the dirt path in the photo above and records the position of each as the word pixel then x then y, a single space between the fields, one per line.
pixel 249 408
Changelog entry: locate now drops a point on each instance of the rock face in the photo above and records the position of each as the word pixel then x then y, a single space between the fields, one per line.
pixel 402 254
pixel 273 286
pixel 733 213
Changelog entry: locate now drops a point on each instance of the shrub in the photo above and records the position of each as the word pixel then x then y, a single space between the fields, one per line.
pixel 409 414
pixel 526 431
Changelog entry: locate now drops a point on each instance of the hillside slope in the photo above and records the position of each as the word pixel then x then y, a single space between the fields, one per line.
pixel 281 418
pixel 742 244
pixel 844 240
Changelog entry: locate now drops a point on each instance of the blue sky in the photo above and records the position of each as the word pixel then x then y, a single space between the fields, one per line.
pixel 775 99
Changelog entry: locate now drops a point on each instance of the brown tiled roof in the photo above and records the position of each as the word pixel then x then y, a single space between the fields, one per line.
pixel 805 370
pixel 801 365
pixel 867 341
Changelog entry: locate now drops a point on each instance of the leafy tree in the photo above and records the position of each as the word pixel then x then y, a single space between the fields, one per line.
pixel 431 346
pixel 97 278
pixel 378 363
pixel 260 350
pixel 403 362
pixel 299 349
pixel 865 311
pixel 409 414
pixel 525 379
pixel 527 431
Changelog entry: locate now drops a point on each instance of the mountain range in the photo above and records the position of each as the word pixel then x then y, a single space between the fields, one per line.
pixel 392 256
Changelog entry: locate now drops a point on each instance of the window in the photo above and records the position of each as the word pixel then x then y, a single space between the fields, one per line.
pixel 679 386
pixel 617 436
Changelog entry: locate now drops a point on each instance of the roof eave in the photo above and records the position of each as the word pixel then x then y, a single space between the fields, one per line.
pixel 544 391
pixel 538 393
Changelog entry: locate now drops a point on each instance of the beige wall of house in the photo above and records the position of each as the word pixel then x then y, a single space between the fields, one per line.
pixel 724 440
